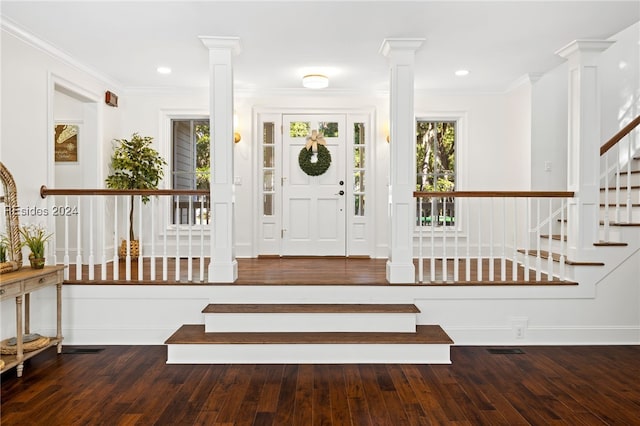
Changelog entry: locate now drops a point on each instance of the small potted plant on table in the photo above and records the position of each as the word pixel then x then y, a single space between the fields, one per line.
pixel 34 237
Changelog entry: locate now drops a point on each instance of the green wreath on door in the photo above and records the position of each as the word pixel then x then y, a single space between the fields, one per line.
pixel 314 158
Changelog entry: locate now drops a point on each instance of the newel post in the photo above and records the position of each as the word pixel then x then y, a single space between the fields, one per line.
pixel 223 266
pixel 583 168
pixel 401 55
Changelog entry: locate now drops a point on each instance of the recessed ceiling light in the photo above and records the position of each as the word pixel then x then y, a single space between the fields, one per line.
pixel 315 81
pixel 462 73
pixel 163 70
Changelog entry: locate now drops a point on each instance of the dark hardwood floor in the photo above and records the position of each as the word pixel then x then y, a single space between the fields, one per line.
pixel 132 385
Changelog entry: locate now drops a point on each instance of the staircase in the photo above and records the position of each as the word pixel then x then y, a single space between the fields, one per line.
pixel 618 235
pixel 295 333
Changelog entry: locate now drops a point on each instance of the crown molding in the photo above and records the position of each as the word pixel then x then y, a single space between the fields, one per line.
pixel 10 27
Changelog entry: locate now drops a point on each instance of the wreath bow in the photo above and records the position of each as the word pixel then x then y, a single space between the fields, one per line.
pixel 313 141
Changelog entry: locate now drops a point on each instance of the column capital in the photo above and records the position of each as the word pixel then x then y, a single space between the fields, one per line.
pixel 404 45
pixel 214 42
pixel 580 48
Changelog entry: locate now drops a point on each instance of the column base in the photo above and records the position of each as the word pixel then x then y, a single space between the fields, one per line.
pixel 401 272
pixel 223 272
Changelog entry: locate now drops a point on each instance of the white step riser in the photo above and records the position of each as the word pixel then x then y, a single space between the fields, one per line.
pixel 620 214
pixel 622 198
pixel 633 177
pixel 310 322
pixel 309 353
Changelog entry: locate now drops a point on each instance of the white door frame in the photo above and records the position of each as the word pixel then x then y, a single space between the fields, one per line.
pixel 360 232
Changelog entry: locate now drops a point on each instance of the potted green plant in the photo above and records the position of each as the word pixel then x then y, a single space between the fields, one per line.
pixel 135 165
pixel 34 237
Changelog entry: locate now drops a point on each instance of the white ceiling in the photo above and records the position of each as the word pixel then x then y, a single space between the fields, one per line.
pixel 498 42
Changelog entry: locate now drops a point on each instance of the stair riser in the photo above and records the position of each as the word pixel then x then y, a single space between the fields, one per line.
pixel 633 177
pixel 314 322
pixel 621 198
pixel 620 214
pixel 309 353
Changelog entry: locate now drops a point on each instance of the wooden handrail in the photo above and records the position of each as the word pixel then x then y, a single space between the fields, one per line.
pixel 495 194
pixel 45 192
pixel 621 134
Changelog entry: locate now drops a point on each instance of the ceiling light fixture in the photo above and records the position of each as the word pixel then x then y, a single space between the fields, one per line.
pixel 315 81
pixel 163 70
pixel 462 73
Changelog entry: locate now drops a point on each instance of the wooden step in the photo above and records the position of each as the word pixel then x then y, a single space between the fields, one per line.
pixel 620 223
pixel 556 258
pixel 316 317
pixel 597 244
pixel 190 344
pixel 613 188
pixel 620 205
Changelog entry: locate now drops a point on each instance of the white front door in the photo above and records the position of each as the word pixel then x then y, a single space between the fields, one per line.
pixel 313 207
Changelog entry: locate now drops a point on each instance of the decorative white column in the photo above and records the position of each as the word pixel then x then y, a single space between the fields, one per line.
pixel 223 266
pixel 401 55
pixel 583 151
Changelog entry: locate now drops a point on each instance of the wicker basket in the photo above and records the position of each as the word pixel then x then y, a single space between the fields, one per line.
pixel 134 249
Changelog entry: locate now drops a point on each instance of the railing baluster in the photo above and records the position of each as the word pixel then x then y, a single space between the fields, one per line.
pixel 538 243
pixel 432 263
pixel 456 254
pixel 467 262
pixel 152 261
pixel 479 263
pixel 607 210
pixel 514 266
pixel 527 238
pixel 91 242
pixel 420 242
pixel 78 239
pixel 178 222
pixel 629 200
pixel 127 274
pixel 550 227
pixel 503 258
pixel 115 237
pixel 140 242
pixel 491 231
pixel 563 243
pixel 445 272
pixel 66 241
pixel 202 225
pixel 166 208
pixel 190 239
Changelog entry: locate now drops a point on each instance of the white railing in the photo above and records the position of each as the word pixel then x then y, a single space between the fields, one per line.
pixel 620 179
pixel 505 236
pixel 92 234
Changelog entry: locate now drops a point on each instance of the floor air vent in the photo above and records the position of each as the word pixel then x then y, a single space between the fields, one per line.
pixel 505 351
pixel 79 351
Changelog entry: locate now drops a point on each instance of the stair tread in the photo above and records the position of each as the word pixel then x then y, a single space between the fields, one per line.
pixel 556 258
pixel 610 244
pixel 613 188
pixel 621 223
pixel 195 334
pixel 255 308
pixel 621 205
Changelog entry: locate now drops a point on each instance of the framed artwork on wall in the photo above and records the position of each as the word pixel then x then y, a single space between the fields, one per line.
pixel 66 143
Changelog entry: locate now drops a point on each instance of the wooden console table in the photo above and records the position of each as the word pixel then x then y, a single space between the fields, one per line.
pixel 19 285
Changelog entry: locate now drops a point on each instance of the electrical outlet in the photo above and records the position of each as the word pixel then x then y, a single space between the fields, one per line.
pixel 519 327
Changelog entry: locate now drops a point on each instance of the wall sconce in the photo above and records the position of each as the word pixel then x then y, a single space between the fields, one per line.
pixel 236 135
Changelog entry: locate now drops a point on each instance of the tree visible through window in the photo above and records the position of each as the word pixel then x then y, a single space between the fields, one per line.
pixel 436 170
pixel 191 169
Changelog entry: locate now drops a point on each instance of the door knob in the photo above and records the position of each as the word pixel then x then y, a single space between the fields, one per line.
pixel 341 182
pixel 341 192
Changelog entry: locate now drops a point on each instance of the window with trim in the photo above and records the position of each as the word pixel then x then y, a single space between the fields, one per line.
pixel 190 170
pixel 436 170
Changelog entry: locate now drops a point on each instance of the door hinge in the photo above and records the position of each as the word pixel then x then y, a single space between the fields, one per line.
pixel 282 233
pixel 282 179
